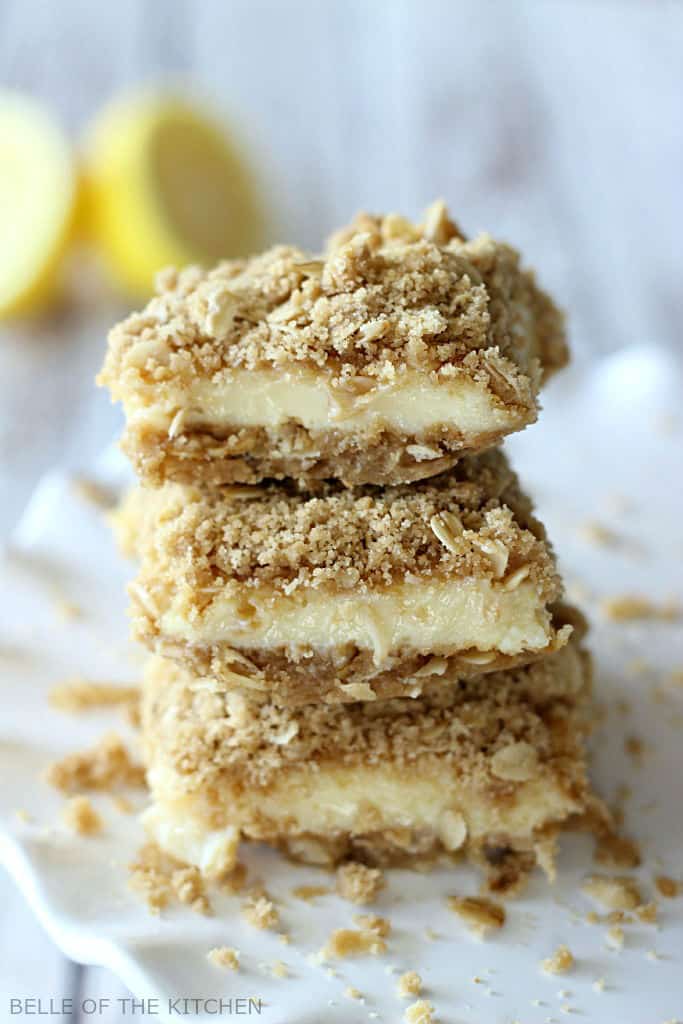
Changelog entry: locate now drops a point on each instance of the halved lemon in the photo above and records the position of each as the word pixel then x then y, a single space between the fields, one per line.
pixel 38 199
pixel 166 185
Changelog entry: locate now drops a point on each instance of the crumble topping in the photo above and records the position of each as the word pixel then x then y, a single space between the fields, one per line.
pixel 358 883
pixel 202 543
pixel 386 296
pixel 349 942
pixel 560 962
pixel 224 956
pixel 106 766
pixel 409 984
pixel 618 892
pixel 80 815
pixel 480 914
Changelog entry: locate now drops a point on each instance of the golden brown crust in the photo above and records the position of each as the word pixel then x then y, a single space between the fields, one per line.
pixel 205 735
pixel 204 542
pixel 248 455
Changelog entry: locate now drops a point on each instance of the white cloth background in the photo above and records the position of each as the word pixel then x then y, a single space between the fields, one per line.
pixel 556 125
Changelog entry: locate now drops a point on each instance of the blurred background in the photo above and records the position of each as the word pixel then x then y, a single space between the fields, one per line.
pixel 555 125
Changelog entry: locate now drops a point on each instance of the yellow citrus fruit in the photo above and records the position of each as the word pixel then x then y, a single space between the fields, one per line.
pixel 166 185
pixel 38 200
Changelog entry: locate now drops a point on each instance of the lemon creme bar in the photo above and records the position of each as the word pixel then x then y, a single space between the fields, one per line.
pixel 383 360
pixel 344 594
pixel 491 767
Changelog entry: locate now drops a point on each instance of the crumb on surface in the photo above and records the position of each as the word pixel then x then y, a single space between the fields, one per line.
pixel 632 607
pixel 634 746
pixel 617 851
pixel 616 892
pixel 105 766
pixel 352 993
pixel 80 815
pixel 598 534
pixel 599 985
pixel 92 492
pixel 67 611
pixel 279 969
pixel 358 883
pixel 373 922
pixel 647 913
pixel 421 1012
pixel 309 893
pixel 481 915
pixel 409 984
pixel 616 937
pixel 150 875
pixel 235 880
pixel 188 886
pixel 560 962
pixel 348 942
pixel 77 694
pixel 668 887
pixel 260 911
pixel 224 956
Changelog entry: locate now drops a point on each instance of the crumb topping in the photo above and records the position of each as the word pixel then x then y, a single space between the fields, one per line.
pixel 358 883
pixel 80 815
pixel 470 521
pixel 106 766
pixel 386 297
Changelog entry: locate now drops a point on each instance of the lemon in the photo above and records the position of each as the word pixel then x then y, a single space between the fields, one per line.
pixel 166 185
pixel 38 199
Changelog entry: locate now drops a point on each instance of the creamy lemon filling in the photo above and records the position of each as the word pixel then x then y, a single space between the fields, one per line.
pixel 358 800
pixel 438 616
pixel 268 398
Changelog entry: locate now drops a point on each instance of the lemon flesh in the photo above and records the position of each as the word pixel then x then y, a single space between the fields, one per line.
pixel 166 186
pixel 38 191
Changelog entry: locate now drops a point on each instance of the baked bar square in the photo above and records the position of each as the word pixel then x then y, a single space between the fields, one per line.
pixel 383 360
pixel 344 594
pixel 492 767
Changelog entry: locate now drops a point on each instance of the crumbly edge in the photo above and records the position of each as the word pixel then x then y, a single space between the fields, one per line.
pixel 340 673
pixel 472 521
pixel 238 454
pixel 537 714
pixel 386 297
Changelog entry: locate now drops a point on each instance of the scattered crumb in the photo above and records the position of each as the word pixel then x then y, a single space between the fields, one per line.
pixel 421 1012
pixel 481 915
pixel 260 911
pixel 409 984
pixel 358 883
pixel 667 887
pixel 617 851
pixel 599 985
pixel 597 534
pixel 309 892
pixel 647 913
pixel 22 815
pixel 652 954
pixel 80 815
pixel 431 935
pixel 104 766
pixel 122 803
pixel 352 993
pixel 560 962
pixel 618 892
pixel 634 747
pixel 78 694
pixel 67 611
pixel 188 886
pixel 373 922
pixel 615 937
pixel 346 942
pixel 630 607
pixel 279 969
pixel 224 956
pixel 150 874
pixel 92 492
pixel 235 880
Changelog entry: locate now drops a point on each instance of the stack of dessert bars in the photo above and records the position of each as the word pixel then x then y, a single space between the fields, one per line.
pixel 359 646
